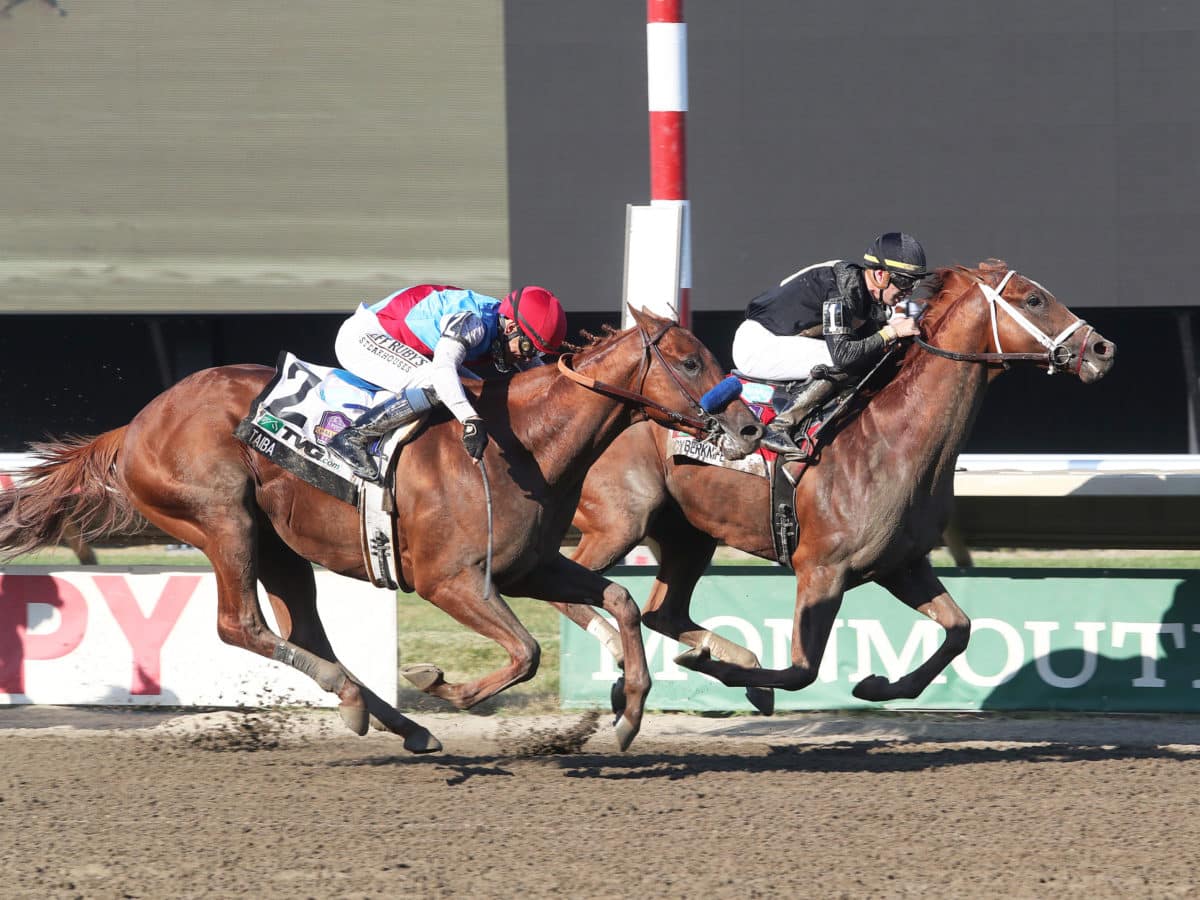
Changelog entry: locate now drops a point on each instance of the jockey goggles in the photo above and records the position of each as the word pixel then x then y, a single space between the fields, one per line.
pixel 904 283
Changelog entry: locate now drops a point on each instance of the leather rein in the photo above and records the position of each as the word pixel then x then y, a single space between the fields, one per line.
pixel 696 424
pixel 1057 356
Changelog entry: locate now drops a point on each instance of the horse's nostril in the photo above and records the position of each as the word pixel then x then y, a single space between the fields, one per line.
pixel 1103 349
pixel 752 432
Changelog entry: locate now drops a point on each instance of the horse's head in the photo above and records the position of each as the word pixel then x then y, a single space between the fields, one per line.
pixel 678 371
pixel 1018 320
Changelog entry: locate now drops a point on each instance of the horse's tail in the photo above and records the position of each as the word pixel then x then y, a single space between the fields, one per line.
pixel 75 482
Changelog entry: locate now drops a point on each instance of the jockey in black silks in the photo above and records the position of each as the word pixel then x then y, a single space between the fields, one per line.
pixel 837 314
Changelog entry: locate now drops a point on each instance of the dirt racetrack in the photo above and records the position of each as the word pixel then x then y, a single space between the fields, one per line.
pixel 152 804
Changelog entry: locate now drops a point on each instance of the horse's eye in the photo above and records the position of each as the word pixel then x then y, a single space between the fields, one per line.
pixel 1033 302
pixel 692 364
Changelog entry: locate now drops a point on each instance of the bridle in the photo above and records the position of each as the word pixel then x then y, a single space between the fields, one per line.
pixel 1057 357
pixel 701 425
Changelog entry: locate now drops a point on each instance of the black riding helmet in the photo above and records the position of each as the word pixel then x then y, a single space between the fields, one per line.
pixel 897 252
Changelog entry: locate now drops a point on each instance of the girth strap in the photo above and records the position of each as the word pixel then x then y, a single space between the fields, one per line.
pixel 784 528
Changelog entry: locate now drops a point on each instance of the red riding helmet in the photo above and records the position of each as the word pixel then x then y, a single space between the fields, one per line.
pixel 538 314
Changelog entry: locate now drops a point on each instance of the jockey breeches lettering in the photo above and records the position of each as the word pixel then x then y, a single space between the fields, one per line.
pixel 365 349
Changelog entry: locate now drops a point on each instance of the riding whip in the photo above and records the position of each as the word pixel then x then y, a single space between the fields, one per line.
pixel 487 496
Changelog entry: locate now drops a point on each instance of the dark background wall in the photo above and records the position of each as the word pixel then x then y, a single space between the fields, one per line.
pixel 105 368
pixel 1060 136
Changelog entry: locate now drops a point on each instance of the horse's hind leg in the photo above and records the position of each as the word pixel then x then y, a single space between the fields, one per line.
pixel 684 554
pixel 291 587
pixel 230 538
pixel 918 587
pixel 231 548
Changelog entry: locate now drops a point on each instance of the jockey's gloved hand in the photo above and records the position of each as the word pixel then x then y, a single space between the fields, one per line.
pixel 475 437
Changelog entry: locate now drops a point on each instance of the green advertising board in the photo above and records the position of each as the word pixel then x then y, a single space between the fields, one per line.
pixel 1044 639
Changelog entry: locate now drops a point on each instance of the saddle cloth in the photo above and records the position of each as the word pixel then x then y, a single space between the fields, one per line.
pixel 765 399
pixel 292 422
pixel 301 410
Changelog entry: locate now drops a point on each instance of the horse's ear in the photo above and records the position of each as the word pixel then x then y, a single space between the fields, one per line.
pixel 645 318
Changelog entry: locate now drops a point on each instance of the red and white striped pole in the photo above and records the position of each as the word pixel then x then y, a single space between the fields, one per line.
pixel 666 70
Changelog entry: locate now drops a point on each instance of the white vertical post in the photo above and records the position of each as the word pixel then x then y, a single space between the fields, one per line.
pixel 666 71
pixel 653 251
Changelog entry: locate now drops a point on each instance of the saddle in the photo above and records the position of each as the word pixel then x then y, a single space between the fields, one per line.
pixel 292 421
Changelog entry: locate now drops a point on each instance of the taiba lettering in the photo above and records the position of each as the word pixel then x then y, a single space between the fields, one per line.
pixel 262 443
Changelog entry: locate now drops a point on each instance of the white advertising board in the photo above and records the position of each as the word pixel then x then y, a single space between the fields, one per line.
pixel 149 638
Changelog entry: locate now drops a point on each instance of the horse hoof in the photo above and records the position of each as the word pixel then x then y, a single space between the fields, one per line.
pixel 872 688
pixel 423 676
pixel 616 697
pixel 626 732
pixel 421 741
pixel 355 718
pixel 762 699
pixel 693 658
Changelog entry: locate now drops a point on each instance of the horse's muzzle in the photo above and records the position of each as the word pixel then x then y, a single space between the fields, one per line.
pixel 741 444
pixel 1093 359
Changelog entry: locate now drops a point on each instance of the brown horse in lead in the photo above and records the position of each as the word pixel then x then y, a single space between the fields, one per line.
pixel 178 464
pixel 871 510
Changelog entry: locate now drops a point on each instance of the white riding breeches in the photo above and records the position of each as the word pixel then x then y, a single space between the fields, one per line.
pixel 760 354
pixel 364 348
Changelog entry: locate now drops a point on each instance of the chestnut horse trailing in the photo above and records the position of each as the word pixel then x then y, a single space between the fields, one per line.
pixel 871 509
pixel 179 465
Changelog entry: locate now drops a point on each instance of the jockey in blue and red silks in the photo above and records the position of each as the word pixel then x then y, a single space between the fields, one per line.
pixel 414 341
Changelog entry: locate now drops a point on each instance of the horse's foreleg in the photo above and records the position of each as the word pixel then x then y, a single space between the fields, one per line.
pixel 917 587
pixel 623 493
pixel 599 551
pixel 462 597
pixel 292 590
pixel 819 591
pixel 684 554
pixel 565 579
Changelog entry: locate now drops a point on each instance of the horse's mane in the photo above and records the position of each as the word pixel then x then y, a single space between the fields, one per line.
pixel 938 308
pixel 591 343
pixel 895 372
pixel 590 340
pixel 932 287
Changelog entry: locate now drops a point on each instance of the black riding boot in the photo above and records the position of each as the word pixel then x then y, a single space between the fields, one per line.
pixel 351 443
pixel 778 434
